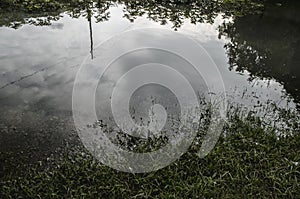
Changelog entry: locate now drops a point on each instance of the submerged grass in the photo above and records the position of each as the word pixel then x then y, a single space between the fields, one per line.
pixel 249 161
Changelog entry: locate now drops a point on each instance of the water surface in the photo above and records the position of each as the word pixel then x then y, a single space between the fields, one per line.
pixel 258 55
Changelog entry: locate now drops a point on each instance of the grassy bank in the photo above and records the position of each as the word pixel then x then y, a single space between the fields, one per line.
pixel 249 161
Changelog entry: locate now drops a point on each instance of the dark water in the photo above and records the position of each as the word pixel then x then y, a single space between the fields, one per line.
pixel 258 55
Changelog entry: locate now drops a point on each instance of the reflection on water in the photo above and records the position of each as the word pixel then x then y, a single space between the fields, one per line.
pixel 40 53
pixel 267 45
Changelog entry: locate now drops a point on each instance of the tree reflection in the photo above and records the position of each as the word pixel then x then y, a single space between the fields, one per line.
pixel 42 12
pixel 174 11
pixel 267 45
pixel 264 37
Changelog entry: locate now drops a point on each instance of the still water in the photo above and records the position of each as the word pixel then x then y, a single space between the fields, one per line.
pixel 258 56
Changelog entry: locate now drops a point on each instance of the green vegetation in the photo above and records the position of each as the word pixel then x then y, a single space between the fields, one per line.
pixel 251 160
